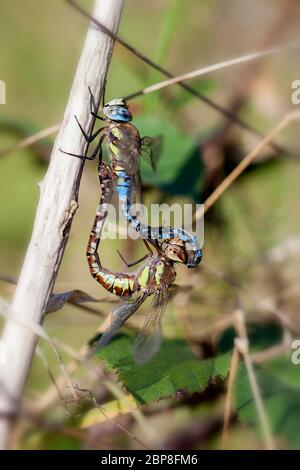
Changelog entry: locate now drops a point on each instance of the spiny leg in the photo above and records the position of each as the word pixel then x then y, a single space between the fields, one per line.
pixel 104 89
pixel 139 260
pixel 98 149
pixel 129 265
pixel 147 246
pixel 93 107
pixel 89 138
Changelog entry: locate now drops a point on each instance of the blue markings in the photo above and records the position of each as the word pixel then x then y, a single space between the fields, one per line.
pixel 124 189
pixel 118 113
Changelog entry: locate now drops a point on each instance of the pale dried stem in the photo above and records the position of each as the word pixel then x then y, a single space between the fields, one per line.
pixel 165 84
pixel 241 167
pixel 215 67
pixel 229 395
pixel 242 344
pixel 30 140
pixel 54 215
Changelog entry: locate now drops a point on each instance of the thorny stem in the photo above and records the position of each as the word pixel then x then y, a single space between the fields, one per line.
pixel 54 215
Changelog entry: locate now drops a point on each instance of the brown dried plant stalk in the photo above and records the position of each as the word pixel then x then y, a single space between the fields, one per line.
pixel 57 205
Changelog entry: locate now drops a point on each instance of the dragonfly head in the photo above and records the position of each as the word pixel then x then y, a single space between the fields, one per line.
pixel 117 111
pixel 175 250
pixel 179 251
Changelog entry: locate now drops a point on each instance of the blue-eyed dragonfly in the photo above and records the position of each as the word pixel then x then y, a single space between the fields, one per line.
pixel 125 148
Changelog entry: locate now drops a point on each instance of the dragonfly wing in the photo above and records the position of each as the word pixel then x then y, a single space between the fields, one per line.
pixel 137 193
pixel 134 196
pixel 148 341
pixel 119 317
pixel 151 150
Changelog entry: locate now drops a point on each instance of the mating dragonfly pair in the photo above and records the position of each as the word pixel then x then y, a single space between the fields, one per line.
pixel 171 245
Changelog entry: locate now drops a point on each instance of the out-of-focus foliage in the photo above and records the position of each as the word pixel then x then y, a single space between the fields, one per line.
pixel 281 399
pixel 179 167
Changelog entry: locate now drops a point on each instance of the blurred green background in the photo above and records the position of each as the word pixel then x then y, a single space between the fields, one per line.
pixel 39 49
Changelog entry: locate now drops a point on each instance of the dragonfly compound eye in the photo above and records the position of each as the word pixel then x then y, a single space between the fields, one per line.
pixel 116 110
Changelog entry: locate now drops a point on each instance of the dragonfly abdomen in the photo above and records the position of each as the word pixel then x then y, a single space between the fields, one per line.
pixel 125 191
pixel 123 285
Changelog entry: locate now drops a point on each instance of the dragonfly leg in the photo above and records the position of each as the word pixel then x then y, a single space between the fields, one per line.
pixel 89 138
pixel 147 246
pixel 129 265
pixel 93 155
pixel 103 93
pixel 83 157
pixel 93 107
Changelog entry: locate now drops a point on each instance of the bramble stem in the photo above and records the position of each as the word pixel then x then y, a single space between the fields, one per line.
pixel 57 206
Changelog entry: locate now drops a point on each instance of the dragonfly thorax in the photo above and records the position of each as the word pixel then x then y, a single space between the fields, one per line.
pixel 117 111
pixel 159 273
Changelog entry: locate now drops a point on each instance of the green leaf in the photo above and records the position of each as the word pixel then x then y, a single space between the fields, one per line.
pixel 282 403
pixel 174 368
pixel 284 370
pixel 260 337
pixel 179 170
pixel 278 380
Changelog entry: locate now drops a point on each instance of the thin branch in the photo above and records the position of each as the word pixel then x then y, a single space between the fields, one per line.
pixel 264 303
pixel 238 170
pixel 242 344
pixel 274 351
pixel 45 363
pixel 225 112
pixel 54 215
pixel 33 327
pixel 51 396
pixel 208 69
pixel 229 395
pixel 30 140
pixel 93 400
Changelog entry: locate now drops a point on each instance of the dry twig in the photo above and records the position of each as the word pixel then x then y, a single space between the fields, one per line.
pixel 54 215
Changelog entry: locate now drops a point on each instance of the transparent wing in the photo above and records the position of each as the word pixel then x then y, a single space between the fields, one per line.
pixel 136 197
pixel 151 150
pixel 148 341
pixel 119 317
pixel 135 193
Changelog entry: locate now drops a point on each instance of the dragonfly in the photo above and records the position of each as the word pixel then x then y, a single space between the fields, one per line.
pixel 155 279
pixel 125 148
